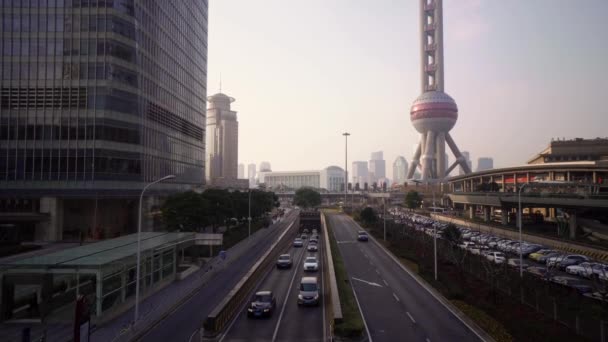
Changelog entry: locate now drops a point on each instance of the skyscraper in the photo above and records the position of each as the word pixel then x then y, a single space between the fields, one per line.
pixel 251 174
pixel 434 113
pixel 265 167
pixel 359 173
pixel 222 138
pixel 97 102
pixel 242 171
pixel 485 163
pixel 400 170
pixel 377 167
pixel 467 159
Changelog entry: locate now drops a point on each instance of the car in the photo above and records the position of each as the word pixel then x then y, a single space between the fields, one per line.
pixel 284 261
pixel 309 291
pixel 304 236
pixel 537 271
pixel 579 285
pixel 305 231
pixel 514 262
pixel 572 260
pixel 314 231
pixel 545 258
pixel 597 271
pixel 538 254
pixel 311 264
pixel 298 242
pixel 262 304
pixel 478 249
pixel 312 247
pixel 497 257
pixel 529 249
pixel 581 269
pixel 362 236
pixel 313 239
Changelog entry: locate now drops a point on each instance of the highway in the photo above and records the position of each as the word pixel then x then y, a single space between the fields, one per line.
pixel 289 322
pixel 184 322
pixel 394 305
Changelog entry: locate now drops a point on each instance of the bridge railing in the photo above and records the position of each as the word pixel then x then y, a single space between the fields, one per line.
pixel 333 311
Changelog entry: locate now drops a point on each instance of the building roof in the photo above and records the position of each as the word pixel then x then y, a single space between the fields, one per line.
pixel 566 166
pixel 103 252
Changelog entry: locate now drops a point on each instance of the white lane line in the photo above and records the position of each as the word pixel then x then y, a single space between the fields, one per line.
pixel 427 340
pixel 294 270
pixel 367 282
pixel 365 255
pixel 411 318
pixel 377 271
pixel 385 283
pixel 397 299
pixel 191 336
pixel 369 336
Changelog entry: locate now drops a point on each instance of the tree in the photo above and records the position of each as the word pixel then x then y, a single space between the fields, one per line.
pixel 452 235
pixel 368 215
pixel 186 211
pixel 413 199
pixel 307 197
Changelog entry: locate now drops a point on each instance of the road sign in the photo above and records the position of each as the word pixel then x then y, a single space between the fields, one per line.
pixel 209 239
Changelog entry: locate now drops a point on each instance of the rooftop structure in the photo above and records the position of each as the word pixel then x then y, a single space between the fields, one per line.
pixel 577 149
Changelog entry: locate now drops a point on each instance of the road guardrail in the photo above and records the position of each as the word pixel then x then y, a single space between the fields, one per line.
pixel 334 310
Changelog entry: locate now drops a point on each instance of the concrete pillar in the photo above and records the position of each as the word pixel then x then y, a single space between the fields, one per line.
pixel 486 213
pixel 572 225
pixel 504 216
pixel 51 229
pixel 471 212
pixel 503 182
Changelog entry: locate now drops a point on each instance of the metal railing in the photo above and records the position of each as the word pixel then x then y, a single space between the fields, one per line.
pixel 334 310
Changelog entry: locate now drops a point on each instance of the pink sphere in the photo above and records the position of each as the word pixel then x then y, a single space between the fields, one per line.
pixel 434 111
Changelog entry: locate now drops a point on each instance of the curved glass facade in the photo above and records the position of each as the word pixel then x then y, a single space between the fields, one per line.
pixel 102 90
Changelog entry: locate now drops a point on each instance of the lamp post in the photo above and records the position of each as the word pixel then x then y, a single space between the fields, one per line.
pixel 384 216
pixel 345 134
pixel 249 215
pixel 519 223
pixel 136 317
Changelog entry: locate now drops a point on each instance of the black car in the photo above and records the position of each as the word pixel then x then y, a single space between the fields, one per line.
pixel 262 304
pixel 362 236
pixel 284 261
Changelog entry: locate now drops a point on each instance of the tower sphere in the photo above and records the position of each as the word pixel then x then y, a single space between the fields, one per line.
pixel 434 111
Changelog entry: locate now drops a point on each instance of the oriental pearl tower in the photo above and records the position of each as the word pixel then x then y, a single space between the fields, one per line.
pixel 433 113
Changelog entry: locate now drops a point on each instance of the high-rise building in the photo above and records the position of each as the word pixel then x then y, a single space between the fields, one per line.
pixel 400 170
pixel 434 113
pixel 377 167
pixel 96 103
pixel 359 173
pixel 242 171
pixel 265 167
pixel 485 163
pixel 251 174
pixel 222 146
pixel 467 160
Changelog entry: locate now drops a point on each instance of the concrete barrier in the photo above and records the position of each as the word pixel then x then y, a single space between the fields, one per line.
pixel 215 323
pixel 595 253
pixel 334 310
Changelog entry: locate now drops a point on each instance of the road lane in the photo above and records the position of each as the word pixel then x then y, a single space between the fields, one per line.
pixel 399 308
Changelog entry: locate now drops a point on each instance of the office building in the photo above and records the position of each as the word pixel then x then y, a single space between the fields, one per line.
pixel 467 159
pixel 330 179
pixel 485 163
pixel 222 147
pixel 251 174
pixel 359 173
pixel 377 167
pixel 265 167
pixel 242 171
pixel 400 170
pixel 96 103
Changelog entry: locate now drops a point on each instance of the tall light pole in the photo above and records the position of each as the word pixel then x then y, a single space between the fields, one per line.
pixel 519 223
pixel 249 215
pixel 384 216
pixel 139 244
pixel 345 134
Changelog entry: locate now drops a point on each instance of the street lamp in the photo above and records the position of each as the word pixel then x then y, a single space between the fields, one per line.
pixel 428 182
pixel 249 215
pixel 139 243
pixel 519 223
pixel 345 134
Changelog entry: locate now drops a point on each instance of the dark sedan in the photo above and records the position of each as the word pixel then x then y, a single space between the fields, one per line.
pixel 362 236
pixel 262 304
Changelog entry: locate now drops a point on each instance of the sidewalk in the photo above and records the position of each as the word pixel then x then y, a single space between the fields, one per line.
pixel 153 308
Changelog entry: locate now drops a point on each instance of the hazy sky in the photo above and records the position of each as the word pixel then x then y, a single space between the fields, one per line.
pixel 303 72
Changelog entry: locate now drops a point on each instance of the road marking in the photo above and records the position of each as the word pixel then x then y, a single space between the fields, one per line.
pixel 365 255
pixel 427 340
pixel 367 282
pixel 345 241
pixel 385 283
pixel 377 271
pixel 369 336
pixel 191 336
pixel 276 328
pixel 397 299
pixel 411 318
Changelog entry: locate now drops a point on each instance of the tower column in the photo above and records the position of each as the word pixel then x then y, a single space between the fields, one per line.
pixel 440 155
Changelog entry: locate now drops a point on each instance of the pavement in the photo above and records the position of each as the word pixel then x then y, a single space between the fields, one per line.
pixel 289 322
pixel 395 305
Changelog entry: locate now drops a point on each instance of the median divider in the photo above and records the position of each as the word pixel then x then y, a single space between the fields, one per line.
pixel 221 316
pixel 333 312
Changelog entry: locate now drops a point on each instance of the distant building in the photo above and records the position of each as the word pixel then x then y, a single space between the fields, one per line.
pixel 400 169
pixel 330 178
pixel 377 167
pixel 251 174
pixel 265 166
pixel 467 158
pixel 578 149
pixel 242 171
pixel 359 173
pixel 485 163
pixel 222 138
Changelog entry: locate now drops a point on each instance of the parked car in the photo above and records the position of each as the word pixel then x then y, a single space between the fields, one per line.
pixel 284 261
pixel 514 262
pixel 529 249
pixel 309 291
pixel 362 236
pixel 555 260
pixel 262 304
pixel 572 260
pixel 598 271
pixel 497 257
pixel 312 247
pixel 298 242
pixel 581 269
pixel 574 283
pixel 538 254
pixel 311 264
pixel 538 271
pixel 545 258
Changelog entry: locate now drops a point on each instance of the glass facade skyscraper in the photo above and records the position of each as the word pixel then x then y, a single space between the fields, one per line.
pixel 99 97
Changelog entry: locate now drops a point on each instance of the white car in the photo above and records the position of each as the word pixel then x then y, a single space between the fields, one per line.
pixel 497 257
pixel 311 264
pixel 582 269
pixel 312 247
